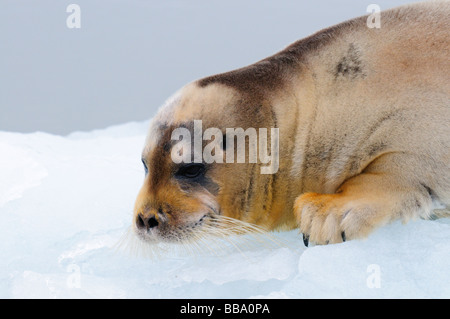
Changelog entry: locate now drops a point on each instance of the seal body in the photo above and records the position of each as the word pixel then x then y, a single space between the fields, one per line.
pixel 364 135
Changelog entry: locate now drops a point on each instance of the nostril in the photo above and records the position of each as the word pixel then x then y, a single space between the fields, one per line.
pixel 146 222
pixel 152 222
pixel 140 222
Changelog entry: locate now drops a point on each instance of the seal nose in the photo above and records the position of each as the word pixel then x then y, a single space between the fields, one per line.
pixel 146 222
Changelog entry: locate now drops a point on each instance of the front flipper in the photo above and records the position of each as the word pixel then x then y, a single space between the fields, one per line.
pixel 363 203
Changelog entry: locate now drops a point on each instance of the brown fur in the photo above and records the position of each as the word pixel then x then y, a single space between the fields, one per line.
pixel 363 117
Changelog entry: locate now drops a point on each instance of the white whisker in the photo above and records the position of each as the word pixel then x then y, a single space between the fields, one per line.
pixel 217 235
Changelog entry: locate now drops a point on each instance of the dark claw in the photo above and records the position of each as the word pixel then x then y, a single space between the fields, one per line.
pixel 306 240
pixel 343 236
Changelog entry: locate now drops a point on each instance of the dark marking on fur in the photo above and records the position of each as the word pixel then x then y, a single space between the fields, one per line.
pixel 418 204
pixel 318 155
pixel 350 66
pixel 355 163
pixel 167 146
pixel 428 189
pixel 267 193
pixel 376 148
pixel 370 152
pixel 432 195
pixel 249 192
pixel 381 121
pixel 163 126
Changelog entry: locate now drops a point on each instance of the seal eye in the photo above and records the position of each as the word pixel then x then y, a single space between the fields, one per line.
pixel 190 170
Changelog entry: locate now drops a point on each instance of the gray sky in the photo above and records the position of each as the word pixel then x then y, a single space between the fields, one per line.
pixel 130 55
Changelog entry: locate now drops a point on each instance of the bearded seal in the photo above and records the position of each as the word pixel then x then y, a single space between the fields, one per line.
pixel 364 137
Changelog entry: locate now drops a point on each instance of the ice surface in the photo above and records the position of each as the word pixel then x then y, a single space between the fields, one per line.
pixel 65 203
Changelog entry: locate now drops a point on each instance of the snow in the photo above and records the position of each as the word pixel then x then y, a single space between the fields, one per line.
pixel 66 205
